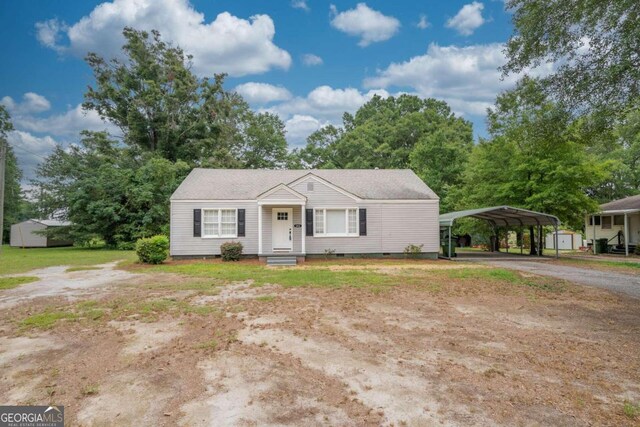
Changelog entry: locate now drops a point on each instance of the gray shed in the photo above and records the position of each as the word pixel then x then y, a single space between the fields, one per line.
pixel 23 236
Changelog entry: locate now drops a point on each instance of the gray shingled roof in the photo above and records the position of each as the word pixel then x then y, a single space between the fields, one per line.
pixel 247 184
pixel 632 202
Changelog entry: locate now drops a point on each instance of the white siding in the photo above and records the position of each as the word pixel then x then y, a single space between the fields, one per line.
pixel 281 194
pixel 390 226
pixel 184 244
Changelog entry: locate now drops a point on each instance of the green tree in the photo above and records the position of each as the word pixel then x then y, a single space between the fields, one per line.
pixel 108 192
pixel 535 159
pixel 15 205
pixel 397 132
pixel 595 42
pixel 161 106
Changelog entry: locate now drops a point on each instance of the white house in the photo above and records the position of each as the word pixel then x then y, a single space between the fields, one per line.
pixel 618 222
pixel 299 213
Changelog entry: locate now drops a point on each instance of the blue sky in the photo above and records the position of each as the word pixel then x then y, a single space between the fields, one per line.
pixel 308 61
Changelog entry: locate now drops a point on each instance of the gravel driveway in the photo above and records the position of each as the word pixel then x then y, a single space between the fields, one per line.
pixel 623 283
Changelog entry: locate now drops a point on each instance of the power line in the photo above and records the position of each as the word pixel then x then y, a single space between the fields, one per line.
pixel 30 152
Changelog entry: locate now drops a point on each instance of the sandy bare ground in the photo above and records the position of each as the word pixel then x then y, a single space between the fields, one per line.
pixel 466 352
pixel 56 281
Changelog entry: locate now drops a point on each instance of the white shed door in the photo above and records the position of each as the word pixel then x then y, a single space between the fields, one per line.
pixel 282 229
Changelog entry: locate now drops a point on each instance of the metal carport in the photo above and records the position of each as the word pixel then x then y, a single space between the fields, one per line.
pixel 503 216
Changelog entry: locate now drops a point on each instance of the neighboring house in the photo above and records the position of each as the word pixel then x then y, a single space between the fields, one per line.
pixel 303 212
pixel 23 234
pixel 567 240
pixel 618 222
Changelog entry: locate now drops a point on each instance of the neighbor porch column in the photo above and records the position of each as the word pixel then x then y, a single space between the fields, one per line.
pixel 555 240
pixel 303 221
pixel 259 229
pixel 626 235
pixel 593 221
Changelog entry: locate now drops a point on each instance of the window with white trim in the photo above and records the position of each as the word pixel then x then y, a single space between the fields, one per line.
pixel 330 222
pixel 219 223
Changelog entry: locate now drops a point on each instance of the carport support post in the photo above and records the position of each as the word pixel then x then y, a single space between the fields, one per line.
pixel 449 243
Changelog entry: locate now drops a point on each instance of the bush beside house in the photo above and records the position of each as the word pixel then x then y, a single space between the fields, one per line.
pixel 153 250
pixel 231 251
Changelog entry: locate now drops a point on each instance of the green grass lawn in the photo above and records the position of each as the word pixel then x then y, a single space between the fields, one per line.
pixel 240 272
pixel 18 260
pixel 14 282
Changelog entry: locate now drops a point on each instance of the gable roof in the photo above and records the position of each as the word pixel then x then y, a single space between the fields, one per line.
pixel 248 184
pixel 628 203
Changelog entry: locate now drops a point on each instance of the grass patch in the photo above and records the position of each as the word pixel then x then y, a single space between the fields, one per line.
pixel 18 260
pixel 46 320
pixel 14 282
pixel 630 410
pixel 90 390
pixel 265 298
pixel 628 266
pixel 287 277
pixel 81 268
pixel 208 345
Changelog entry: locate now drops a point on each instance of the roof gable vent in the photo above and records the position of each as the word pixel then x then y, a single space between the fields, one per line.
pixel 309 186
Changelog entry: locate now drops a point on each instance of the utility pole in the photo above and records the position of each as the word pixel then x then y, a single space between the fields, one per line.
pixel 3 162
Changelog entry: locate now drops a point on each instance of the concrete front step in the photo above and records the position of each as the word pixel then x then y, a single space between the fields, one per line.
pixel 282 260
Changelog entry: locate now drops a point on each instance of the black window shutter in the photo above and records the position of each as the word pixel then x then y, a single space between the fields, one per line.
pixel 241 223
pixel 197 224
pixel 363 222
pixel 309 221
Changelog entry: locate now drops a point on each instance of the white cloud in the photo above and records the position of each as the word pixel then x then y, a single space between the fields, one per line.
pixel 262 93
pixel 368 24
pixel 310 60
pixel 466 77
pixel 68 124
pixel 30 150
pixel 227 44
pixel 468 19
pixel 48 32
pixel 300 4
pixel 423 23
pixel 31 103
pixel 322 106
pixel 326 103
pixel 299 127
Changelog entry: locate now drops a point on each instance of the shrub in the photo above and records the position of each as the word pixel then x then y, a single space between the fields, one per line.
pixel 637 250
pixel 413 250
pixel 231 251
pixel 152 250
pixel 329 253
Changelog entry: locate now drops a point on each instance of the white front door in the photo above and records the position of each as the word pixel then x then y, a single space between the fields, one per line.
pixel 282 229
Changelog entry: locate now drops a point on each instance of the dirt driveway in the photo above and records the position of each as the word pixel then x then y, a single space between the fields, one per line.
pixel 439 348
pixel 628 284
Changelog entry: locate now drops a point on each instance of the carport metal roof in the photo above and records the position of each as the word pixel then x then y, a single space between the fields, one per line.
pixel 502 216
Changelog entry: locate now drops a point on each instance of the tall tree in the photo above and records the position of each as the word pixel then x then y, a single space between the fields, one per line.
pixel 110 192
pixel 595 43
pixel 161 106
pixel 535 159
pixel 13 203
pixel 397 132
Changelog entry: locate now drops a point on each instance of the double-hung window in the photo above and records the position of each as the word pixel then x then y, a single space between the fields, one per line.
pixel 219 223
pixel 338 222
